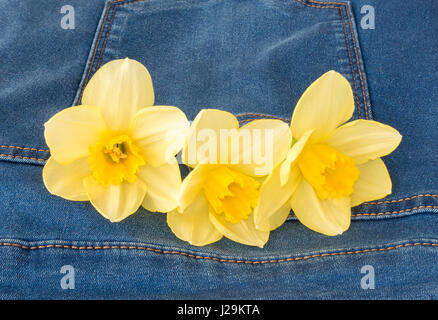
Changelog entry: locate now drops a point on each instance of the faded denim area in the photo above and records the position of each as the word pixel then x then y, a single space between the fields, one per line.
pixel 251 57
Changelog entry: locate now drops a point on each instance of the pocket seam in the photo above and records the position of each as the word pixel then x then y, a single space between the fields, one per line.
pixel 404 199
pixel 223 260
pixel 25 148
pixel 110 7
pixel 383 213
pixel 367 115
pixel 21 157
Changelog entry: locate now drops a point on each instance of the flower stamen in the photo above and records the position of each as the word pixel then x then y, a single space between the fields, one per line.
pixel 116 152
pixel 115 159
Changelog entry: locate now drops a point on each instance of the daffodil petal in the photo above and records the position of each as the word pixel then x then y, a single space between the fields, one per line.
pixel 66 180
pixel 192 185
pixel 374 182
pixel 326 104
pixel 193 224
pixel 115 202
pixel 163 185
pixel 330 217
pixel 160 132
pixel 204 136
pixel 71 132
pixel 364 140
pixel 270 213
pixel 243 232
pixel 278 218
pixel 120 88
pixel 270 142
pixel 292 155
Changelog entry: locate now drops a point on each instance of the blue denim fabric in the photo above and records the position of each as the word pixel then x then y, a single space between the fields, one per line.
pixel 254 58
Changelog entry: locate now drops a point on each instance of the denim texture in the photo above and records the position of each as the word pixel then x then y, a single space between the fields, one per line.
pixel 251 57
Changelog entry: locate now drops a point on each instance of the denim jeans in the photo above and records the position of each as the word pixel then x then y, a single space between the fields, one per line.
pixel 251 57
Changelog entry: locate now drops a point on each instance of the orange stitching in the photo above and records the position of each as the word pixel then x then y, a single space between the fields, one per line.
pixel 319 7
pixel 244 121
pixel 405 199
pixel 97 46
pixel 20 157
pixel 99 38
pixel 346 40
pixel 318 255
pixel 109 27
pixel 247 120
pixel 394 212
pixel 25 148
pixel 113 13
pixel 354 46
pixel 241 115
pixel 351 61
pixel 388 212
pixel 357 63
pixel 99 61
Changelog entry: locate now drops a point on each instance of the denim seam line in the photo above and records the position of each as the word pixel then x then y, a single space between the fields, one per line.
pixel 25 148
pixel 189 255
pixel 386 213
pixel 346 45
pixel 21 157
pixel 326 4
pixel 256 116
pixel 404 199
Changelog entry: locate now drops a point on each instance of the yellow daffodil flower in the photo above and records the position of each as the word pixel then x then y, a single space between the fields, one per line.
pixel 332 166
pixel 218 196
pixel 116 150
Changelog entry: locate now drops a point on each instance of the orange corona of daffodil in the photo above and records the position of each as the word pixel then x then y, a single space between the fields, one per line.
pixel 218 196
pixel 116 150
pixel 332 166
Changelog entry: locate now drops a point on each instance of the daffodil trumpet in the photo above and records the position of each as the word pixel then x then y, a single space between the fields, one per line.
pixel 116 150
pixel 331 166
